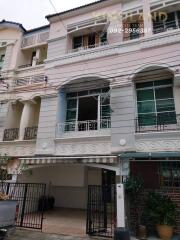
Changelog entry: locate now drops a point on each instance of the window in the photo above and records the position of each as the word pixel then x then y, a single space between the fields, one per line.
pixel 90 40
pixel 161 24
pixel 88 110
pixel 155 103
pixel 169 174
pixel 135 27
pixel 77 42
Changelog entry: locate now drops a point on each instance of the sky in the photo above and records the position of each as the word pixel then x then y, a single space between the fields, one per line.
pixel 31 13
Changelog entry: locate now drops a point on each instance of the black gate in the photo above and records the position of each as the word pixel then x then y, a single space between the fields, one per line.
pixel 101 210
pixel 30 203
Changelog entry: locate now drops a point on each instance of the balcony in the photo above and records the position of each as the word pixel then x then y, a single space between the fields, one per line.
pixel 88 47
pixel 166 26
pixel 11 134
pixel 30 133
pixel 35 39
pixel 30 80
pixel 83 126
pixel 157 124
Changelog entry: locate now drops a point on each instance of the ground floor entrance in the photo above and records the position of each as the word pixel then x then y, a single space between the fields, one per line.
pixel 82 198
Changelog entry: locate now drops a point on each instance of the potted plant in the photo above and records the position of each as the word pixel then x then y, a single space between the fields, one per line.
pixel 161 211
pixel 134 187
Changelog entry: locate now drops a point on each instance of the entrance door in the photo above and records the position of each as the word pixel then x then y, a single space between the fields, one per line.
pixel 101 210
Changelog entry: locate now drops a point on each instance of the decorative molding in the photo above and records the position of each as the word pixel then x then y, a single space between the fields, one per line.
pixel 18 148
pixel 158 145
pixel 82 148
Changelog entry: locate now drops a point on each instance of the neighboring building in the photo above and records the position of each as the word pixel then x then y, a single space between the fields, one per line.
pixel 105 102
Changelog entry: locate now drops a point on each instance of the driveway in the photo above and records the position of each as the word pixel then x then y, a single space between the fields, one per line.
pixel 35 235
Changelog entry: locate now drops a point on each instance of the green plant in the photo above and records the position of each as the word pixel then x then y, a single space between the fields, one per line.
pixel 134 186
pixel 160 209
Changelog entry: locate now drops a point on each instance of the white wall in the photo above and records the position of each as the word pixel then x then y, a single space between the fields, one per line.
pixel 66 182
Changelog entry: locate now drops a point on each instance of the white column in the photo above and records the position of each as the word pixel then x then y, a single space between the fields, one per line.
pixel 25 119
pixel 114 31
pixel 120 205
pixel 36 58
pixel 147 18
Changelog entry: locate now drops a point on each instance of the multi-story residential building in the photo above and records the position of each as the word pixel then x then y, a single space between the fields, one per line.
pixel 94 97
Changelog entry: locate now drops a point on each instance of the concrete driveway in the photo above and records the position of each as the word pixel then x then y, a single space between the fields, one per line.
pixel 35 235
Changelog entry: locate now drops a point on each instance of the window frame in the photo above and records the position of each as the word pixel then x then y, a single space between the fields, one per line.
pixel 99 113
pixel 153 87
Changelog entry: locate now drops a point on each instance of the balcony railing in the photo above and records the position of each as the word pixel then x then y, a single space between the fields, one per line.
pixel 169 122
pixel 83 48
pixel 165 26
pixel 90 125
pixel 11 134
pixel 30 133
pixel 29 80
pixel 35 39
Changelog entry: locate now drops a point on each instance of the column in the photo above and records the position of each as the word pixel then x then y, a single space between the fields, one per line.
pixel 25 119
pixel 120 198
pixel 36 58
pixel 114 31
pixel 147 18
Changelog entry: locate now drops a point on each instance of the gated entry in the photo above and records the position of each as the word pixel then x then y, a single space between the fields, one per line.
pixel 101 210
pixel 31 201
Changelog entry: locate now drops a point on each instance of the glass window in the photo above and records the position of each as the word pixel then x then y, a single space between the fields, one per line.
pixel 146 107
pixel 170 174
pixel 77 42
pixel 164 93
pixel 84 106
pixel 155 103
pixel 143 95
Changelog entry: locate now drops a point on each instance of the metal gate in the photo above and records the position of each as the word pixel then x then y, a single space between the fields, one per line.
pixel 101 210
pixel 30 197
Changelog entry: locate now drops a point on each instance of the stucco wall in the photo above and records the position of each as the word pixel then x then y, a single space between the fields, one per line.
pixel 67 183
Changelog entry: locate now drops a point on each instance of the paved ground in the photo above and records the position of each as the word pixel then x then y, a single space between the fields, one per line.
pixel 59 220
pixel 34 235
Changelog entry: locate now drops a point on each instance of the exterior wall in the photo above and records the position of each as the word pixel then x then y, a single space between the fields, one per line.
pixel 13 37
pixel 122 119
pixel 47 126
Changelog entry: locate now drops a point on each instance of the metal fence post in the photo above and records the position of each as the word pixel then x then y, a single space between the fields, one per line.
pixel 24 205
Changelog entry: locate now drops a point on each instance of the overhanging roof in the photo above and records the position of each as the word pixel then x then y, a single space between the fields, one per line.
pixel 41 160
pixel 74 9
pixel 148 155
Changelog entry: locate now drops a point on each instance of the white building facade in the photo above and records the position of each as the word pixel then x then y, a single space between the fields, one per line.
pixel 93 97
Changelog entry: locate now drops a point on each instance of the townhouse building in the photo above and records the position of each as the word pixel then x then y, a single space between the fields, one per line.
pixel 92 98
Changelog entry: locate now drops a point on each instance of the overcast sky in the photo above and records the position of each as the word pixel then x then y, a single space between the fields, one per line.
pixel 31 13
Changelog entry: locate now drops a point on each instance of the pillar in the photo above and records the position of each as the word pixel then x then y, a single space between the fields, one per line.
pixel 120 199
pixel 148 27
pixel 36 58
pixel 114 31
pixel 25 119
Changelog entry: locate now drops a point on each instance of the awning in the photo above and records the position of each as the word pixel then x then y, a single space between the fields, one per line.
pixel 54 160
pixel 149 155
